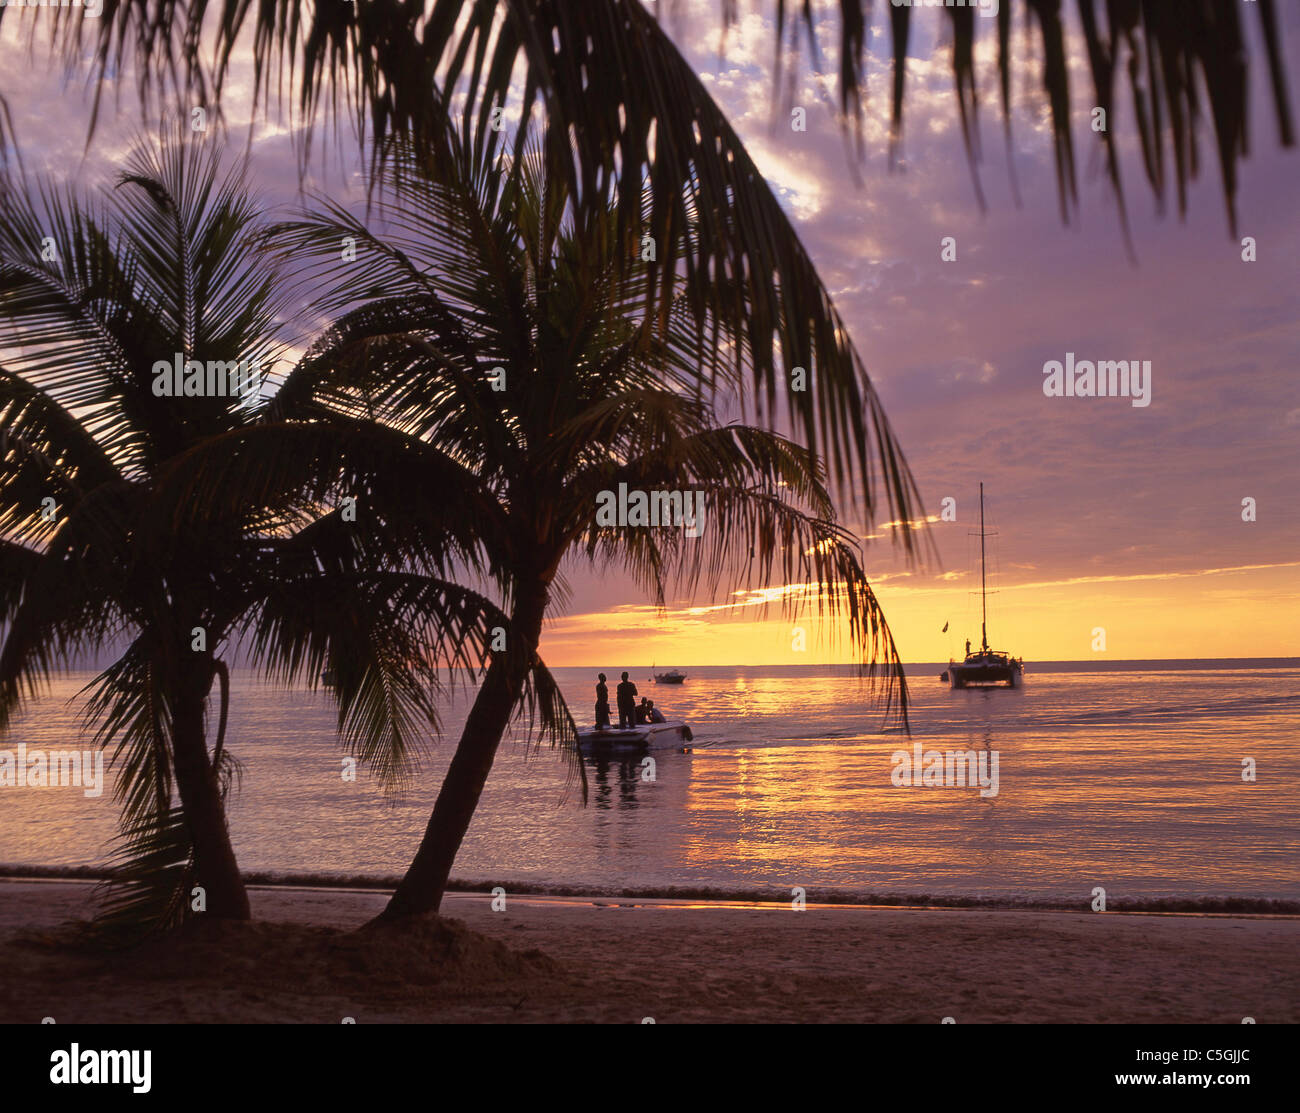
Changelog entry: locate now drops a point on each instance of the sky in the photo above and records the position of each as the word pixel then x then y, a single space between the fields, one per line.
pixel 1112 518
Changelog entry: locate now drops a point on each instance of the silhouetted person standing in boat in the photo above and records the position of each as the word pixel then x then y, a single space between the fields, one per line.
pixel 602 703
pixel 626 693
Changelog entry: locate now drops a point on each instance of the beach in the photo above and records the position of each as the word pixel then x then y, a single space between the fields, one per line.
pixel 611 960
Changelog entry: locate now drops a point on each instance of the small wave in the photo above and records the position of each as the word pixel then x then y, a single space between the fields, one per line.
pixel 819 736
pixel 1234 708
pixel 1202 905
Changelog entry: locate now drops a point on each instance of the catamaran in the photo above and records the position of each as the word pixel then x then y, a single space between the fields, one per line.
pixel 985 668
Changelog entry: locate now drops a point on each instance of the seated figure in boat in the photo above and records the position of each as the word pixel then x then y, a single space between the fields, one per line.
pixel 655 715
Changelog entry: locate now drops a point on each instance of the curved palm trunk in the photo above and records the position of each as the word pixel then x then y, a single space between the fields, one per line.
pixel 420 891
pixel 215 867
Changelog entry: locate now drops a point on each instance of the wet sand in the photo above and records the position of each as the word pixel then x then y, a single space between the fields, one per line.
pixel 546 959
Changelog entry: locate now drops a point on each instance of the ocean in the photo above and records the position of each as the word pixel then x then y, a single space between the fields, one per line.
pixel 1128 779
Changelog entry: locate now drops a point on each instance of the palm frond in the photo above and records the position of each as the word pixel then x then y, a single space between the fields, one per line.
pixel 71 325
pixel 543 708
pixel 71 597
pixel 128 707
pixel 813 564
pixel 274 479
pixel 386 637
pixel 1167 47
pixel 148 890
pixel 46 453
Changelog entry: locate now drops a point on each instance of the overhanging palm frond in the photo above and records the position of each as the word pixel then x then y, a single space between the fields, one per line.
pixel 1167 47
pixel 384 58
pixel 128 708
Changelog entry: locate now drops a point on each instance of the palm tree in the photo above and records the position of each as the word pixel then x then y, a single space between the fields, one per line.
pixel 518 347
pixel 139 523
pixel 91 304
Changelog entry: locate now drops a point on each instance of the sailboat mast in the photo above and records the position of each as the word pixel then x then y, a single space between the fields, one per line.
pixel 984 606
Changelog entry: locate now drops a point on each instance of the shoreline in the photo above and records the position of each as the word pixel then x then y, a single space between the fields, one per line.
pixel 721 896
pixel 1047 665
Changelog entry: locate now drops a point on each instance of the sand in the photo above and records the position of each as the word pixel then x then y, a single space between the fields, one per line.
pixel 610 961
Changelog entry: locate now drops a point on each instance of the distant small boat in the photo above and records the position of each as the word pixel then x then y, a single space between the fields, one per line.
pixel 329 678
pixel 985 668
pixel 672 676
pixel 638 739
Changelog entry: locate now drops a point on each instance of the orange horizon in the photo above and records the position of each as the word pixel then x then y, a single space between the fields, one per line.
pixel 1243 612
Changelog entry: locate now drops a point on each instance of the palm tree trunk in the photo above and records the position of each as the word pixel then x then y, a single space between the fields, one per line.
pixel 215 867
pixel 421 890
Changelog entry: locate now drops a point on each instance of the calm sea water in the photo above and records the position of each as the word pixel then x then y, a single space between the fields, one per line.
pixel 1131 780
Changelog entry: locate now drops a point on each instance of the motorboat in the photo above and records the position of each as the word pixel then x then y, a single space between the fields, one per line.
pixel 637 739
